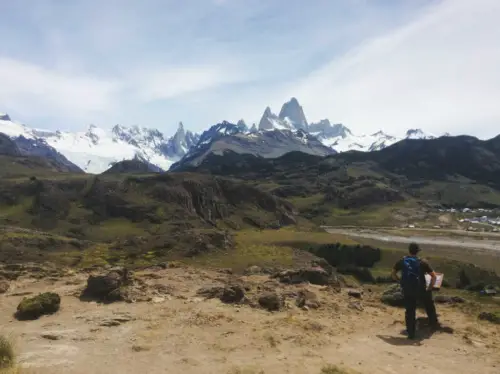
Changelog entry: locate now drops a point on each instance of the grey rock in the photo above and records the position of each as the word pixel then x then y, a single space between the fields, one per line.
pixel 393 296
pixel 445 299
pixel 232 294
pixel 358 294
pixel 307 299
pixel 271 301
pixel 315 275
pixel 210 292
pixel 8 147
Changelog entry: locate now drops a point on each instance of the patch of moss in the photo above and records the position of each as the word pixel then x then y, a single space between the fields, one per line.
pixel 35 307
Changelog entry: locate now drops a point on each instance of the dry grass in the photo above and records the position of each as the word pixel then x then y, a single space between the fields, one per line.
pixel 273 248
pixel 7 356
pixel 334 369
pixel 272 340
pixel 247 370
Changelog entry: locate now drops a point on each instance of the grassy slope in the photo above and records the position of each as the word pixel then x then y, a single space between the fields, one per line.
pixel 105 241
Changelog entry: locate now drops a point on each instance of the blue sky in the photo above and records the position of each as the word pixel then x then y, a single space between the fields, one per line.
pixel 370 64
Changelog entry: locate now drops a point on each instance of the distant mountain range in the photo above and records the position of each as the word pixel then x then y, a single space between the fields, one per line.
pixel 96 149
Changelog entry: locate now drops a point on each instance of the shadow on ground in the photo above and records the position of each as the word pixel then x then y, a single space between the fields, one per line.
pixel 424 331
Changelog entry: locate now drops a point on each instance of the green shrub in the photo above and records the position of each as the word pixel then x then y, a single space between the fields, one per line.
pixel 6 353
pixel 35 307
pixel 343 254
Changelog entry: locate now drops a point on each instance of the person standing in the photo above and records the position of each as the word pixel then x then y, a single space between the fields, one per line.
pixel 413 271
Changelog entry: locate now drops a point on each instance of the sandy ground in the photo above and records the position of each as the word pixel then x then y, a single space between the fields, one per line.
pixel 183 333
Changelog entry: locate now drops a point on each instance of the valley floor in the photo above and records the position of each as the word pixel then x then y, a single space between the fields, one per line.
pixel 180 332
pixel 426 237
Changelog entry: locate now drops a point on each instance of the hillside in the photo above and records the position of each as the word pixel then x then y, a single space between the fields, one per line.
pixel 134 166
pixel 17 161
pixel 129 217
pixel 229 138
pixel 448 171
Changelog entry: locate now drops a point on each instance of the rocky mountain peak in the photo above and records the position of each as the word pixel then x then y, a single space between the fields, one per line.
pixel 242 125
pixel 180 133
pixel 292 111
pixel 268 120
pixel 415 134
pixel 8 147
pixel 324 129
pixel 4 117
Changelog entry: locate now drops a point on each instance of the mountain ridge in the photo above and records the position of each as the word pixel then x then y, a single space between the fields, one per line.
pixel 96 149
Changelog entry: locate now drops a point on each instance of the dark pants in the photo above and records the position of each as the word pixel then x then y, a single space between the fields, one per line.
pixel 411 300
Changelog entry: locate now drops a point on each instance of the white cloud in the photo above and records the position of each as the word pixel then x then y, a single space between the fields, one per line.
pixel 439 73
pixel 173 82
pixel 24 86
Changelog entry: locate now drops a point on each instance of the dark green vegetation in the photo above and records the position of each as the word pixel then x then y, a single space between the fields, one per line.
pixel 134 166
pixel 127 219
pixel 350 188
pixel 35 307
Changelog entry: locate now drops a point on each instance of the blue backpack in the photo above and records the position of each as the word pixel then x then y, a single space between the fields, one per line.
pixel 410 278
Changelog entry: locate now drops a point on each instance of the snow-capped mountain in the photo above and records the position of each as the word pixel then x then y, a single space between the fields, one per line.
pixel 336 136
pixel 236 138
pixel 96 149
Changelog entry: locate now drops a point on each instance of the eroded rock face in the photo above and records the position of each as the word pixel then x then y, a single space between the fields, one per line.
pixel 292 111
pixel 8 147
pixel 35 307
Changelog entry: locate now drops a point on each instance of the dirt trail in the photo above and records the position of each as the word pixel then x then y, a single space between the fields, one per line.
pixel 470 243
pixel 186 334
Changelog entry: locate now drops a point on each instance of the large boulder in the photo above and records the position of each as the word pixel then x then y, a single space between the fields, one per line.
pixel 393 296
pixel 107 287
pixel 314 275
pixel 35 307
pixel 271 301
pixel 232 294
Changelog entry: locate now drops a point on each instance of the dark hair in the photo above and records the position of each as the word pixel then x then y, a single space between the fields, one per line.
pixel 413 248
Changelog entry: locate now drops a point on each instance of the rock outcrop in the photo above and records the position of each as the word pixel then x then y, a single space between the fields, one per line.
pixel 107 287
pixel 35 307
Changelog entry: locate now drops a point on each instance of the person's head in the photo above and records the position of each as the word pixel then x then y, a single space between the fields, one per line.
pixel 413 248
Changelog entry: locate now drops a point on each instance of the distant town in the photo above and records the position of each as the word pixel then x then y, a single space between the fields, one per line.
pixel 477 216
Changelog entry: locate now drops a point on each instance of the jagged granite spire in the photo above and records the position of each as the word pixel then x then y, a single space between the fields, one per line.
pixel 292 111
pixel 266 122
pixel 242 125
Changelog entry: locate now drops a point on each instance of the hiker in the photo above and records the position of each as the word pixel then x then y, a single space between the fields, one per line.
pixel 413 270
